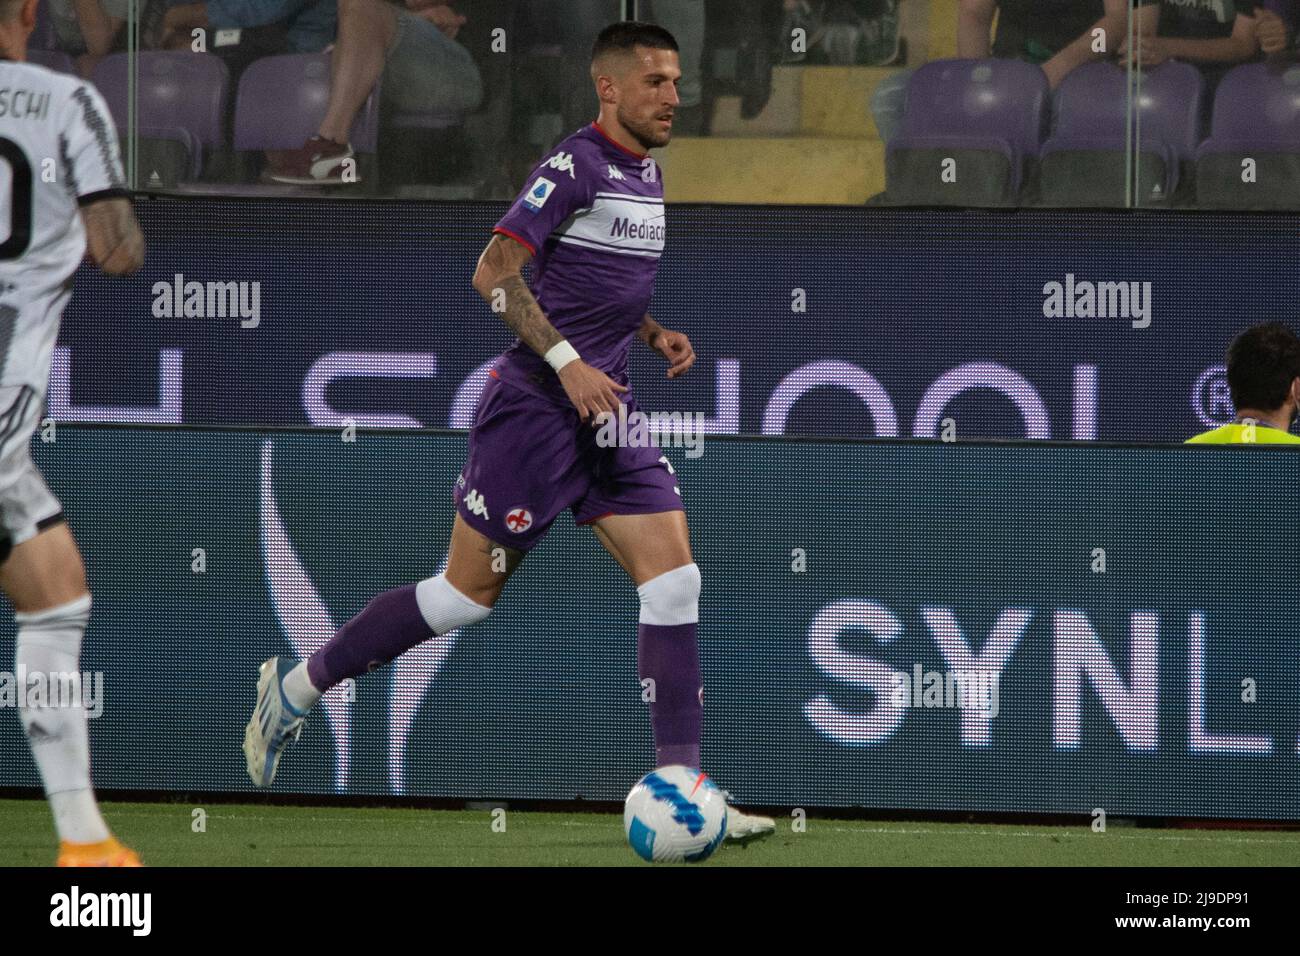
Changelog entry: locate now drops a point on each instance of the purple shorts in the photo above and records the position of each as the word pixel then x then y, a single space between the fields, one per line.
pixel 529 459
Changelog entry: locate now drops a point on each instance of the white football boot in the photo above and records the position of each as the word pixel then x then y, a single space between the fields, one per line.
pixel 743 827
pixel 274 724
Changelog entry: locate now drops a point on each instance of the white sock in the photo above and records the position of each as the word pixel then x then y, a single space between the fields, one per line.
pixel 49 642
pixel 76 817
pixel 672 598
pixel 444 608
pixel 299 690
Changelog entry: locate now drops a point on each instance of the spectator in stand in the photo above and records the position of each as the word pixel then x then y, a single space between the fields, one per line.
pixel 1215 35
pixel 310 24
pixel 412 47
pixel 1059 35
pixel 87 30
pixel 1275 27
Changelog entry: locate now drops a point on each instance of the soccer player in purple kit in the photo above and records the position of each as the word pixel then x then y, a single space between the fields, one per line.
pixel 591 218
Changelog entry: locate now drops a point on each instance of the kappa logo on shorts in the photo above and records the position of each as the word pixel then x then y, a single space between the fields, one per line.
pixel 476 505
pixel 519 520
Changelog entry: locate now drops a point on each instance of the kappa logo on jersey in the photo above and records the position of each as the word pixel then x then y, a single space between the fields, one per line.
pixel 476 505
pixel 537 196
pixel 615 174
pixel 562 163
pixel 519 520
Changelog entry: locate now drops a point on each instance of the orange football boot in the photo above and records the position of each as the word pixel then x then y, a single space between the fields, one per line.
pixel 107 853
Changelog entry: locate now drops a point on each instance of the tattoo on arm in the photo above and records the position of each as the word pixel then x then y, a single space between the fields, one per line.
pixel 526 318
pixel 499 280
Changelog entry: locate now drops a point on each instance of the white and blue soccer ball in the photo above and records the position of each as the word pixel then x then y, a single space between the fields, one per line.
pixel 675 814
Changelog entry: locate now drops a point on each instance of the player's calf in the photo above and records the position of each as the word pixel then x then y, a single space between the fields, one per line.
pixel 389 626
pixel 386 628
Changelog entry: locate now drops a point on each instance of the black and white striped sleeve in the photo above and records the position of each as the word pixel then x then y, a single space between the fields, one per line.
pixel 88 143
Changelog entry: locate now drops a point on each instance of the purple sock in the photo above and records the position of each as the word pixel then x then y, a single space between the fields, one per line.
pixel 670 656
pixel 386 628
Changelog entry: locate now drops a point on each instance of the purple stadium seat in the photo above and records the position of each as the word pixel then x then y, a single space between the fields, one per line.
pixel 1271 99
pixel 282 100
pixel 1256 118
pixel 988 115
pixel 53 60
pixel 1083 161
pixel 174 89
pixel 180 97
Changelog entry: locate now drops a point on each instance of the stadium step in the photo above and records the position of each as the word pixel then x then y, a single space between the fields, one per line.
pixel 806 170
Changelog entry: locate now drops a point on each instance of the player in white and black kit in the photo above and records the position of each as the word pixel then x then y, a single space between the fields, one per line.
pixel 61 192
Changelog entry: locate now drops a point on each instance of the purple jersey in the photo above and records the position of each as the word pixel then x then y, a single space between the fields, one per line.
pixel 593 216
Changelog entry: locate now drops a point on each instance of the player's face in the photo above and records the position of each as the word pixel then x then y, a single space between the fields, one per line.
pixel 647 96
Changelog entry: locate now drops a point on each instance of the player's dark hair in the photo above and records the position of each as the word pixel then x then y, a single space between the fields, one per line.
pixel 623 37
pixel 1263 361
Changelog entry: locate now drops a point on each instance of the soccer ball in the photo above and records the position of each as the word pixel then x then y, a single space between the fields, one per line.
pixel 675 814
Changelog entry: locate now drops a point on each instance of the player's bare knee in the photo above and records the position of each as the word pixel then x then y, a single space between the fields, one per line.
pixel 483 576
pixel 445 607
pixel 672 598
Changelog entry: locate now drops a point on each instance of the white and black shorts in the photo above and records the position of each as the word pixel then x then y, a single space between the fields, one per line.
pixel 27 506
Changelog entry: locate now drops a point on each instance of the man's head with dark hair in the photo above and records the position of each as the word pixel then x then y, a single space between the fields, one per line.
pixel 626 36
pixel 1263 368
pixel 635 68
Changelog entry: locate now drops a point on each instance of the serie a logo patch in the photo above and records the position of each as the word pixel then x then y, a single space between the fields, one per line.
pixel 541 191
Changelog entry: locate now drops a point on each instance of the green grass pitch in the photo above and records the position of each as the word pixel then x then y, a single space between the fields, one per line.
pixel 262 835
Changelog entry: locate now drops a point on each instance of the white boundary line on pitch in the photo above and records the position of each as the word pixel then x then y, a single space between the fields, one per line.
pixel 1048 830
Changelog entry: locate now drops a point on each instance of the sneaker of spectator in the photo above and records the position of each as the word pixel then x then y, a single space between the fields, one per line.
pixel 413 49
pixel 320 162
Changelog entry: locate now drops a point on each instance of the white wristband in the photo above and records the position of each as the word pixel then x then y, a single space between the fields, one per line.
pixel 561 355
